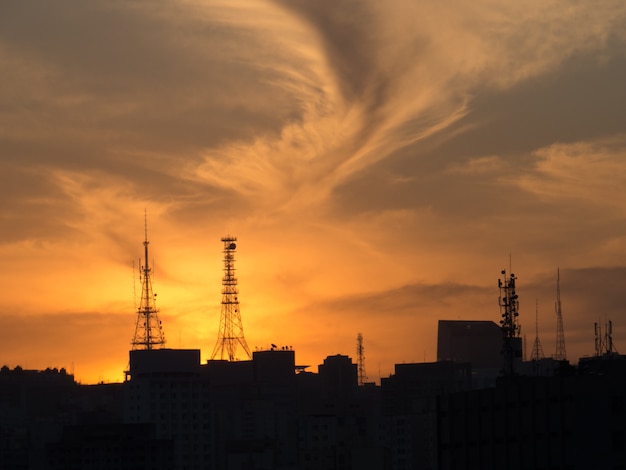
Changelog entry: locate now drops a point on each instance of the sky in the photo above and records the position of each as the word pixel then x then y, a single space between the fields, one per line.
pixel 380 164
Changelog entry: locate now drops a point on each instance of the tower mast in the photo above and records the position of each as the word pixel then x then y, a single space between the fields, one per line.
pixel 560 355
pixel 510 327
pixel 230 334
pixel 148 329
pixel 360 349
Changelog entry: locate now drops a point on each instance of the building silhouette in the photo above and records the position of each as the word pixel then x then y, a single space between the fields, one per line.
pixel 572 420
pixel 477 342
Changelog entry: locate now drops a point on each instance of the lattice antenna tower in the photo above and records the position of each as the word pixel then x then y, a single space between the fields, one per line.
pixel 230 336
pixel 537 353
pixel 509 325
pixel 561 354
pixel 148 330
pixel 360 350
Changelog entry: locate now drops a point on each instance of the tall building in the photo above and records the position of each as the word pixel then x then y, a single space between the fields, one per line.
pixel 567 421
pixel 477 342
pixel 166 387
pixel 409 404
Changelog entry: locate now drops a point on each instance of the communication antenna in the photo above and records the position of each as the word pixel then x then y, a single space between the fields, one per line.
pixel 230 335
pixel 509 306
pixel 537 353
pixel 598 343
pixel 360 349
pixel 604 344
pixel 148 329
pixel 560 355
pixel 134 286
pixel 610 347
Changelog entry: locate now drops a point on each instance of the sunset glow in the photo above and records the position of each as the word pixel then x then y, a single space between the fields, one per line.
pixel 380 164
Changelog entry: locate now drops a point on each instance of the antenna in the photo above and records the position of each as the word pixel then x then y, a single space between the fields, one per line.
pixel 134 286
pixel 360 349
pixel 510 327
pixel 608 342
pixel 230 334
pixel 597 331
pixel 560 355
pixel 148 330
pixel 537 353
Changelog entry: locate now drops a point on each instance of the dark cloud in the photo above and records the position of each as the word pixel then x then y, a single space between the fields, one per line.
pixel 163 85
pixel 26 195
pixel 582 100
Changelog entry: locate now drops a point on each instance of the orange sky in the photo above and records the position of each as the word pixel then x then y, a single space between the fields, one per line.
pixel 378 162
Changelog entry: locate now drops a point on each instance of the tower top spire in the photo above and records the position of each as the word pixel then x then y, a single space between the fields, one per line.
pixel 145 226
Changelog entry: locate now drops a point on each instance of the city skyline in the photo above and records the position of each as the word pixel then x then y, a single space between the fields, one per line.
pixel 380 164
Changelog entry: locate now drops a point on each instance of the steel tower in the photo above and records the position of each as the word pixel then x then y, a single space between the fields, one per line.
pixel 230 335
pixel 560 355
pixel 537 353
pixel 360 349
pixel 509 306
pixel 148 330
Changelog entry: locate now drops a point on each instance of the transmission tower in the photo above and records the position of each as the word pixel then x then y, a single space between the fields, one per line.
pixel 148 330
pixel 510 327
pixel 537 353
pixel 560 355
pixel 230 334
pixel 360 349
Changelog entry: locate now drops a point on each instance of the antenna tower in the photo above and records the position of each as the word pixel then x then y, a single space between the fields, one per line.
pixel 230 335
pixel 509 306
pixel 148 330
pixel 360 349
pixel 604 345
pixel 560 355
pixel 537 353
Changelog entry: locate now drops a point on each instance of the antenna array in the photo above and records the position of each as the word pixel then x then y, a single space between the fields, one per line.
pixel 360 349
pixel 509 306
